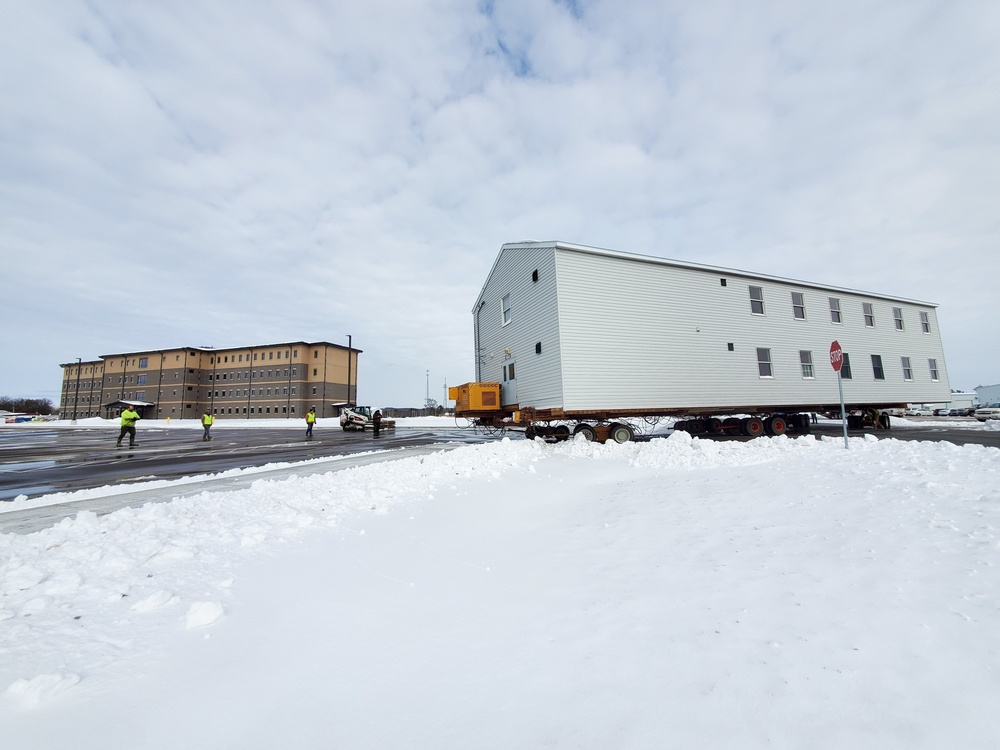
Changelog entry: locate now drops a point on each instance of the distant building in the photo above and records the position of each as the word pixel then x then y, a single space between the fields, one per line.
pixel 960 400
pixel 252 382
pixel 988 394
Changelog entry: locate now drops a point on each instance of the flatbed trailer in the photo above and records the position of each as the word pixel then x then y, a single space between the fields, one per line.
pixel 619 425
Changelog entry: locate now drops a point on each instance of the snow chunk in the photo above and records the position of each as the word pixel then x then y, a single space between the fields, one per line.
pixel 203 614
pixel 155 601
pixel 42 688
pixel 22 578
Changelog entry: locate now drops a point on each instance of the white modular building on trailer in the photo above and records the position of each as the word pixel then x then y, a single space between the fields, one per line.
pixel 569 329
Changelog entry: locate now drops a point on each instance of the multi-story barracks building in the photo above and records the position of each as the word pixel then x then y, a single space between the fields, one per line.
pixel 254 382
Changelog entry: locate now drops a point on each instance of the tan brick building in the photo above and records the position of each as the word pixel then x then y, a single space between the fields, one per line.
pixel 254 382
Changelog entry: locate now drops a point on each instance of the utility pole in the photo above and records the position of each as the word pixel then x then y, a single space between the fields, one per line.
pixel 76 398
pixel 349 358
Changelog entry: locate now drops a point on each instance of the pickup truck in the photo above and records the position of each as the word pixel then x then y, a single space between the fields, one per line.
pixel 988 411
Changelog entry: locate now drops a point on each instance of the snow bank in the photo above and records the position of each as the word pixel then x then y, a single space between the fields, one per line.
pixel 775 593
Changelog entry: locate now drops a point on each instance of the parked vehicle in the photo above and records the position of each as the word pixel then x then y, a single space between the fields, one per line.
pixel 989 411
pixel 941 412
pixel 962 412
pixel 354 417
pixel 919 412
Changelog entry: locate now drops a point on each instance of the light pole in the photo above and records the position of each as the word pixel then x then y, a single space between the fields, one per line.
pixel 76 397
pixel 349 350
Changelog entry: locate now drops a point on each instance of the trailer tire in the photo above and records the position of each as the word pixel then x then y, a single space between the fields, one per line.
pixel 561 431
pixel 680 425
pixel 714 425
pixel 588 432
pixel 731 425
pixel 529 432
pixel 776 425
pixel 752 427
pixel 621 433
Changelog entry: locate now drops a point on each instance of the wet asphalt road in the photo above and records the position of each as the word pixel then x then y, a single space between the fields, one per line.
pixel 39 461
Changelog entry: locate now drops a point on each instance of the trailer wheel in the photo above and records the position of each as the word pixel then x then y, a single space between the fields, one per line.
pixel 529 432
pixel 732 425
pixel 621 433
pixel 696 426
pixel 588 432
pixel 752 426
pixel 680 425
pixel 776 425
pixel 561 432
pixel 714 425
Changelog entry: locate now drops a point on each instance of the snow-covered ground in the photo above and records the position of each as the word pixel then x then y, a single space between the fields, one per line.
pixel 779 593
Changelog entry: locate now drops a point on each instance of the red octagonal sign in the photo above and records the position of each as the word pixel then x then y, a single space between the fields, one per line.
pixel 836 356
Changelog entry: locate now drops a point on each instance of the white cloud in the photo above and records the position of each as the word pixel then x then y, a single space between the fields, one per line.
pixel 239 173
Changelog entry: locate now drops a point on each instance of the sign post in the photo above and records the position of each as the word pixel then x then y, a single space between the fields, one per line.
pixel 837 360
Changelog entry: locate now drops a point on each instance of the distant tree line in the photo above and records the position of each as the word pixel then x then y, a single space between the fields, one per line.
pixel 27 405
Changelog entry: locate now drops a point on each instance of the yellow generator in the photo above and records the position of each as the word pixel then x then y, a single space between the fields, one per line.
pixel 475 398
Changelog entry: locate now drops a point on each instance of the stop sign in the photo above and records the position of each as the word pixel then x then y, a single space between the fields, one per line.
pixel 836 356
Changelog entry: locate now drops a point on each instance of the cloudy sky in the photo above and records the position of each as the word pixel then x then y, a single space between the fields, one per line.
pixel 236 173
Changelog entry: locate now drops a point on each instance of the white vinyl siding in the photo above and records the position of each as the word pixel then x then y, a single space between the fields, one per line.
pixel 539 378
pixel 636 332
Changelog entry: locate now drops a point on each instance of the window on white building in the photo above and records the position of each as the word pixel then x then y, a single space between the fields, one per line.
pixel 798 306
pixel 835 315
pixel 806 359
pixel 764 363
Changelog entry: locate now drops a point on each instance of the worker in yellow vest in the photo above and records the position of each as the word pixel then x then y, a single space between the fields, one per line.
pixel 310 421
pixel 129 417
pixel 206 422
